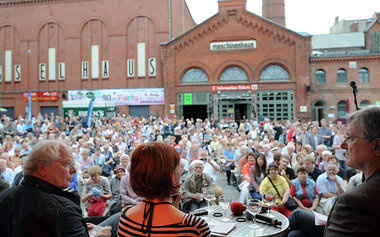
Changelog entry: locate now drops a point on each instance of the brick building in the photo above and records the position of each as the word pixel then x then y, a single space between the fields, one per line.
pixel 237 64
pixel 350 53
pixel 52 47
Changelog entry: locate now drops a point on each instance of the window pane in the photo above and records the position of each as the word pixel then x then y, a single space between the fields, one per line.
pixel 364 103
pixel 274 72
pixel 320 77
pixel 233 74
pixel 194 75
pixel 341 75
pixel 363 75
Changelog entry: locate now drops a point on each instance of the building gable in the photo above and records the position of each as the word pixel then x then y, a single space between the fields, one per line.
pixel 256 24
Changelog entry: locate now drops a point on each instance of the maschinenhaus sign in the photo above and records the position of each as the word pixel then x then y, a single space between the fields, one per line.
pixel 230 45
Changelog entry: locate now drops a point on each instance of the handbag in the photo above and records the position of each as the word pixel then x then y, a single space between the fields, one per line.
pixel 96 207
pixel 290 204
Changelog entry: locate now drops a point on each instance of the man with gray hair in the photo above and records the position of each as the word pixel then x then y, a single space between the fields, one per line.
pixel 46 209
pixel 357 211
pixel 329 186
pixel 193 186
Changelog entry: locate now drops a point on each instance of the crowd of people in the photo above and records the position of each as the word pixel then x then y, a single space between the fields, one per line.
pixel 304 162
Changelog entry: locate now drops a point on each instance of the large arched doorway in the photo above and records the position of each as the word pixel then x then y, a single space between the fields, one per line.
pixel 319 110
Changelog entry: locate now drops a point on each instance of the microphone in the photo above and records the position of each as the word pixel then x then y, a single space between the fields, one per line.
pixel 268 220
pixel 355 92
pixel 237 208
pixel 353 85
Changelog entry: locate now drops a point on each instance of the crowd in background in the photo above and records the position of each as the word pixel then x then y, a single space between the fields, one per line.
pixel 301 160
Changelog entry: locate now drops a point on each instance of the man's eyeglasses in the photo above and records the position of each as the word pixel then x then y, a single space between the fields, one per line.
pixel 350 139
pixel 68 165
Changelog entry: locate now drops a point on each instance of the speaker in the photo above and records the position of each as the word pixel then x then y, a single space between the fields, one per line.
pixel 63 95
pixel 308 88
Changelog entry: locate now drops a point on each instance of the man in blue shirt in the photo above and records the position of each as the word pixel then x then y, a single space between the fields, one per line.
pixel 325 132
pixel 329 186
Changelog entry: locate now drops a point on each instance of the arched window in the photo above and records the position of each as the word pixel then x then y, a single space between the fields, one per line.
pixel 364 103
pixel 233 74
pixel 194 75
pixel 320 77
pixel 274 72
pixel 342 109
pixel 341 76
pixel 363 75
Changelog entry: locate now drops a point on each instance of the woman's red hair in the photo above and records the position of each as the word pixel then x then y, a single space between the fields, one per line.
pixel 152 168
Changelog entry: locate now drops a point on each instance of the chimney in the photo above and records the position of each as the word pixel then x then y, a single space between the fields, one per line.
pixel 354 27
pixel 274 10
pixel 227 5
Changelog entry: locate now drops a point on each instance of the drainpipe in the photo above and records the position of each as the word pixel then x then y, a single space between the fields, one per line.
pixel 170 20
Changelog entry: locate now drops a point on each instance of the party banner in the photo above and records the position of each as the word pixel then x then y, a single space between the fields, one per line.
pixel 146 96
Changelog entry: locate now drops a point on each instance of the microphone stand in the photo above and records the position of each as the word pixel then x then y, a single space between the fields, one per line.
pixel 355 92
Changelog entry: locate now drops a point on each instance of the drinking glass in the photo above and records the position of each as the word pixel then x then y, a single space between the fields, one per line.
pixel 209 195
pixel 270 199
pixel 254 207
pixel 225 202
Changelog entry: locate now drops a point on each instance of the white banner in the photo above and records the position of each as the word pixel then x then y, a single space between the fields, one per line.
pixel 146 96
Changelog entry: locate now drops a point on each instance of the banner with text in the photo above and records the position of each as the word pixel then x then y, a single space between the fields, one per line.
pixel 40 96
pixel 234 88
pixel 146 96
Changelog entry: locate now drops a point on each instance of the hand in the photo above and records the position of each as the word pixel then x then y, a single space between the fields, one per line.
pixel 90 226
pixel 176 199
pixel 88 195
pixel 198 196
pixel 282 203
pixel 333 178
pixel 283 173
pixel 104 231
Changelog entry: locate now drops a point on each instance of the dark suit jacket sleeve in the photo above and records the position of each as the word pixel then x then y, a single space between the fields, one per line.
pixel 71 224
pixel 349 217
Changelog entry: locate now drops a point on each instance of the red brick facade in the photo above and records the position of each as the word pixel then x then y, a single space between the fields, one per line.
pixel 29 28
pixel 352 60
pixel 276 45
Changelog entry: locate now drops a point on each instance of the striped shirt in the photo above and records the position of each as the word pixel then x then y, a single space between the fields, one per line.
pixel 189 226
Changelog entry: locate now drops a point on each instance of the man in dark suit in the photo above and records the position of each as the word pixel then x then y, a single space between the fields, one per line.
pixel 314 139
pixel 357 212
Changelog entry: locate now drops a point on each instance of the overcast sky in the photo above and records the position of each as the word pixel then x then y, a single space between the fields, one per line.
pixel 311 16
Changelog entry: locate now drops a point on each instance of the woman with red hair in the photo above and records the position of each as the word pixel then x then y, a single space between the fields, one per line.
pixel 155 175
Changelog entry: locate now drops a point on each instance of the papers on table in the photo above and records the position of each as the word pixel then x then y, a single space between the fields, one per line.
pixel 320 219
pixel 222 228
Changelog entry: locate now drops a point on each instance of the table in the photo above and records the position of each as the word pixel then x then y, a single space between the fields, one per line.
pixel 243 229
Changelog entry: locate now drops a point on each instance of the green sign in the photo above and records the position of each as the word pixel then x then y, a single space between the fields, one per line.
pixel 90 95
pixel 378 102
pixel 83 111
pixel 188 98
